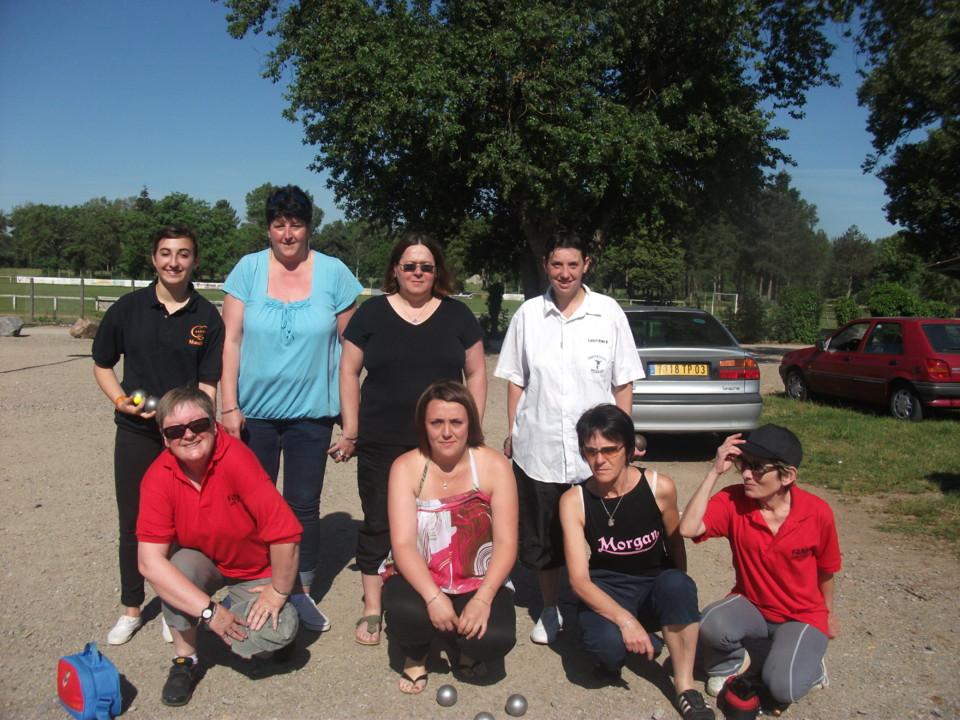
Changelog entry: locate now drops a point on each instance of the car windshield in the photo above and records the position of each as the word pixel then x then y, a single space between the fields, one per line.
pixel 678 329
pixel 943 337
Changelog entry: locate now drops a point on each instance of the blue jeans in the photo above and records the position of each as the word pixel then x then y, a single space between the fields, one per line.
pixel 669 598
pixel 304 444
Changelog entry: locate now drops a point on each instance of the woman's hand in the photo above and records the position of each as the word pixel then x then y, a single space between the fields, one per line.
pixel 227 625
pixel 441 612
pixel 268 605
pixel 233 422
pixel 636 639
pixel 127 407
pixel 343 449
pixel 474 619
pixel 508 446
pixel 727 452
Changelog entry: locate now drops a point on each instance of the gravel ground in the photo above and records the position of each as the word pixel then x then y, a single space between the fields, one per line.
pixel 898 655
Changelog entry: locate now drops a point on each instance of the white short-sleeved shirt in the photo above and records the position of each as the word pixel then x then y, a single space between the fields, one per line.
pixel 565 366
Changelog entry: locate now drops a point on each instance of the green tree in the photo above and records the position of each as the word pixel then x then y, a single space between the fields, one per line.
pixel 852 261
pixel 911 92
pixel 546 114
pixel 42 235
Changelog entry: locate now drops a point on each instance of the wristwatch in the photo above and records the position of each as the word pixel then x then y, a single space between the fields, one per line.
pixel 209 611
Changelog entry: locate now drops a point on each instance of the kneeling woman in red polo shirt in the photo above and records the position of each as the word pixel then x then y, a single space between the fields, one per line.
pixel 209 498
pixel 785 553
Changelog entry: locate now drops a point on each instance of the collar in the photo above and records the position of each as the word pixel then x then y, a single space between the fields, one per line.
pixel 191 305
pixel 586 307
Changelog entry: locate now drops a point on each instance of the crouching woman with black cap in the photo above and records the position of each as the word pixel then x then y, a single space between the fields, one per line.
pixel 785 553
pixel 210 517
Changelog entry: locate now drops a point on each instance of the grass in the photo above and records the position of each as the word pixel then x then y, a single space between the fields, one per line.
pixel 856 451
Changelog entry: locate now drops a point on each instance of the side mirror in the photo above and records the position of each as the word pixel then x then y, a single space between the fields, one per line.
pixel 821 344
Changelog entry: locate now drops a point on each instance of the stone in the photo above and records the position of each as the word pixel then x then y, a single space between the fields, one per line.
pixel 84 329
pixel 10 326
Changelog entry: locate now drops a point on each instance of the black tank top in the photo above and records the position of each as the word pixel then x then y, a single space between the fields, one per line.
pixel 634 544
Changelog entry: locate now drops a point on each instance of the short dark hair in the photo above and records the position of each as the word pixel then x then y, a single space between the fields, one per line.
pixel 611 422
pixel 181 396
pixel 442 280
pixel 176 231
pixel 452 392
pixel 289 202
pixel 566 239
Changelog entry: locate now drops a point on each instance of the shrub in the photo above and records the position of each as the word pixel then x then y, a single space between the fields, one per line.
pixel 796 318
pixel 938 309
pixel 846 309
pixel 891 299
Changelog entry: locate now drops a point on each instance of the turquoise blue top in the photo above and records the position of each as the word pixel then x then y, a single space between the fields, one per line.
pixel 290 352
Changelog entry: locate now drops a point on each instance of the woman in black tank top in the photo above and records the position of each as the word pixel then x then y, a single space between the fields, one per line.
pixel 633 582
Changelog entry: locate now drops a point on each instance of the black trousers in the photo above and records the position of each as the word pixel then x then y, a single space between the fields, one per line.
pixel 373 473
pixel 133 453
pixel 408 622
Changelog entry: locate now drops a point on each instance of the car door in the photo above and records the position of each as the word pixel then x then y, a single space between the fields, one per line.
pixel 880 359
pixel 830 371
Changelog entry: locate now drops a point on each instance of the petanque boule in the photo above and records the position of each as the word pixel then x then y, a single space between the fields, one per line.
pixel 446 695
pixel 483 716
pixel 150 404
pixel 516 705
pixel 138 396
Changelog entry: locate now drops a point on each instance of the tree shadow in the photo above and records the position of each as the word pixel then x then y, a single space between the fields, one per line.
pixel 948 482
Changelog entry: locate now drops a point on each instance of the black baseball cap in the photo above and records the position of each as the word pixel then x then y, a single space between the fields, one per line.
pixel 774 442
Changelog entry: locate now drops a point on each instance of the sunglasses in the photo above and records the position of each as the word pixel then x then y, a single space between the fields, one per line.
pixel 427 268
pixel 175 432
pixel 608 452
pixel 757 469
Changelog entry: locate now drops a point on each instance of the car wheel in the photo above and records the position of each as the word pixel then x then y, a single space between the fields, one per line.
pixel 905 405
pixel 797 387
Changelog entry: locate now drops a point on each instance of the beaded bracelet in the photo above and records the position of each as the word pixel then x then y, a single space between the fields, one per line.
pixel 626 623
pixel 119 400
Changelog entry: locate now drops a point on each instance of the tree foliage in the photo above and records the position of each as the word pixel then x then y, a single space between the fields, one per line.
pixel 541 114
pixel 852 260
pixel 912 51
pixel 796 318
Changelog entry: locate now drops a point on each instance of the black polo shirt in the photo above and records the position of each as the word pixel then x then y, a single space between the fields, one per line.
pixel 160 351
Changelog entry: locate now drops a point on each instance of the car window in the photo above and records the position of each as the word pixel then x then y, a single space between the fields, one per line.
pixel 848 339
pixel 943 337
pixel 886 338
pixel 678 329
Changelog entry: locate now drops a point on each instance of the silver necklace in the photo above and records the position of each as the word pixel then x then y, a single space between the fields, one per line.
pixel 610 515
pixel 414 320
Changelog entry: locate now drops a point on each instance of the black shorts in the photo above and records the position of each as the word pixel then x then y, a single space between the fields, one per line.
pixel 541 536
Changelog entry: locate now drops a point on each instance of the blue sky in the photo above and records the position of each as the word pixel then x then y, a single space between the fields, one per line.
pixel 104 97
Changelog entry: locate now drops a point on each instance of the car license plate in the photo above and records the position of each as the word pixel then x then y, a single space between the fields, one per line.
pixel 696 369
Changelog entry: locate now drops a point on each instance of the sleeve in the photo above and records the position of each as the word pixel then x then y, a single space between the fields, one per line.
pixel 238 281
pixel 468 327
pixel 155 521
pixel 828 554
pixel 510 365
pixel 108 342
pixel 718 515
pixel 346 287
pixel 210 367
pixel 358 329
pixel 626 366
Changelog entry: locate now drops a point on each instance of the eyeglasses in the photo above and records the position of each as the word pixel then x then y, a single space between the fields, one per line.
pixel 175 432
pixel 608 452
pixel 426 268
pixel 757 469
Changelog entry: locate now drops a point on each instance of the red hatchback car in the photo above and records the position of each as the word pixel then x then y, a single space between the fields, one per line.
pixel 909 364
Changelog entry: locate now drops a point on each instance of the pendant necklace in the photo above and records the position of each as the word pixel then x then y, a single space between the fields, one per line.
pixel 414 320
pixel 610 515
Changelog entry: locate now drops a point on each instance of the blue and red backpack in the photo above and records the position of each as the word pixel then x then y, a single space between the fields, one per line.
pixel 89 685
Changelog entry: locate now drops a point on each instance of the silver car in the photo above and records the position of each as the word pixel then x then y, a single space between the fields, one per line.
pixel 698 378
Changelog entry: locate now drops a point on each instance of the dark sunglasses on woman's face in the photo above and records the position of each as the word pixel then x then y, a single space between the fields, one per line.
pixel 175 432
pixel 424 267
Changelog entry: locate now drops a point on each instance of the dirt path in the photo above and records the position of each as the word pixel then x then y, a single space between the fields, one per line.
pixel 898 655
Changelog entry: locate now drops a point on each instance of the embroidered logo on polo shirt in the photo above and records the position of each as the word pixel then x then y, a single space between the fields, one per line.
pixel 197 334
pixel 233 499
pixel 598 363
pixel 801 553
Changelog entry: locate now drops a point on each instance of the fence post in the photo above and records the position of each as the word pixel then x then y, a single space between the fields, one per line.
pixel 82 298
pixel 32 302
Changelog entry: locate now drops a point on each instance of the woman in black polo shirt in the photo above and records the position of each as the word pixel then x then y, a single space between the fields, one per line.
pixel 169 336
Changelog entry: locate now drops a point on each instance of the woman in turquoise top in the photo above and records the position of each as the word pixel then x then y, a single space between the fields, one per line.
pixel 285 310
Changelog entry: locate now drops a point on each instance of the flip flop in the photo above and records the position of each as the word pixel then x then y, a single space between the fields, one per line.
pixel 415 681
pixel 372 621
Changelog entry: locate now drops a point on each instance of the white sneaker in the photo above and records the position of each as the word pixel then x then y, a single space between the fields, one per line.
pixel 310 615
pixel 547 627
pixel 824 681
pixel 165 630
pixel 715 682
pixel 124 629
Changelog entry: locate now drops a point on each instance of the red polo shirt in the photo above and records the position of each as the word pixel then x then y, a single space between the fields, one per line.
pixel 233 519
pixel 778 573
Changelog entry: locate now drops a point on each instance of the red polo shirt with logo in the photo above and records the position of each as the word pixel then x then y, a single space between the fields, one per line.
pixel 233 519
pixel 778 573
